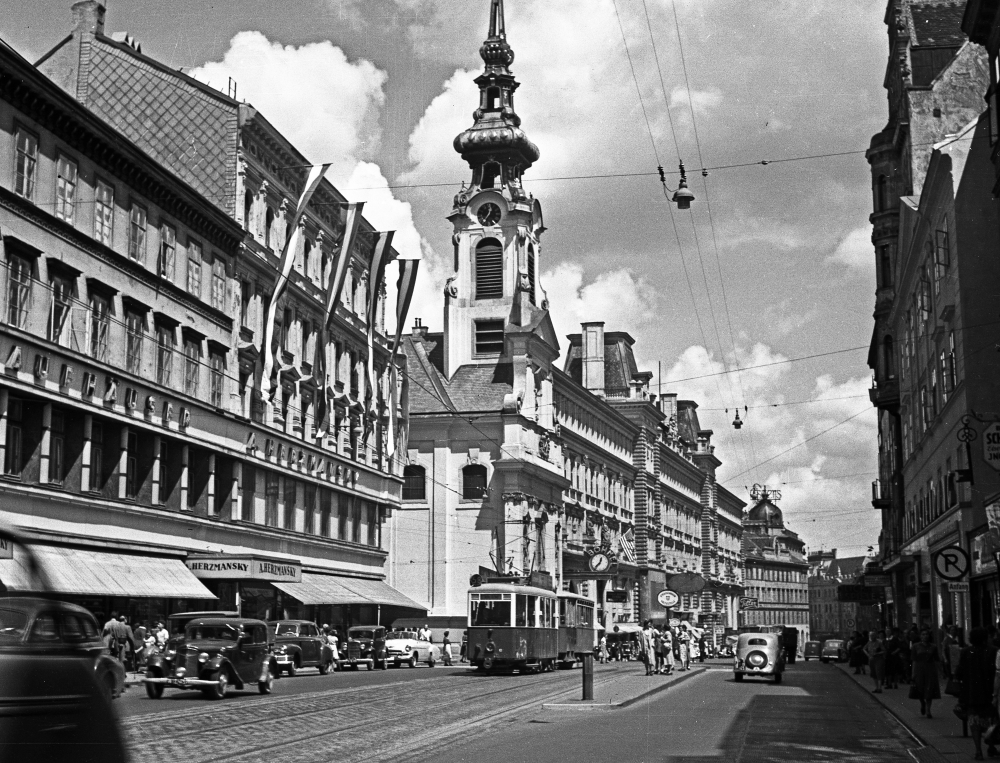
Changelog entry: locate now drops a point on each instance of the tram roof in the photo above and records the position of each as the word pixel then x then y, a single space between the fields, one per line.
pixel 512 588
pixel 571 595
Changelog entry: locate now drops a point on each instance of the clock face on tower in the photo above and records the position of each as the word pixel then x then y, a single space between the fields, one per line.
pixel 489 214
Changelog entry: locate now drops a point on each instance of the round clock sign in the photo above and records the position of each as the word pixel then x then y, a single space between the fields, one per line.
pixel 488 214
pixel 600 562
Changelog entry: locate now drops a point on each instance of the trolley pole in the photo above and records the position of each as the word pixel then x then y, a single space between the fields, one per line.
pixel 588 674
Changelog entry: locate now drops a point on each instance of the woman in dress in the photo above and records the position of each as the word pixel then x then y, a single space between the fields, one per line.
pixel 976 669
pixel 856 653
pixel 926 686
pixel 875 649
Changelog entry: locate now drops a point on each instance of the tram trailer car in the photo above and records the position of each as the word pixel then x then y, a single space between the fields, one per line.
pixel 513 627
pixel 576 628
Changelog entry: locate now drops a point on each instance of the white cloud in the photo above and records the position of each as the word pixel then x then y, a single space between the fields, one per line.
pixel 855 253
pixel 624 301
pixel 704 101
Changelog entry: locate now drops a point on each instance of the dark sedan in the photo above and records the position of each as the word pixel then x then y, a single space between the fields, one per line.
pixel 300 644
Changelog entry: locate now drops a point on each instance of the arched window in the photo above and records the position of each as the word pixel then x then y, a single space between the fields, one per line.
pixel 268 228
pixel 489 269
pixel 492 98
pixel 491 171
pixel 414 483
pixel 247 209
pixel 888 358
pixel 531 272
pixel 474 482
pixel 882 193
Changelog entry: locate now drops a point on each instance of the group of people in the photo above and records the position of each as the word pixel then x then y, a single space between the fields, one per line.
pixel 662 649
pixel 133 646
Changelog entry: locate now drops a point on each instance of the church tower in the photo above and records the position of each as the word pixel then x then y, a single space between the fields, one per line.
pixel 496 224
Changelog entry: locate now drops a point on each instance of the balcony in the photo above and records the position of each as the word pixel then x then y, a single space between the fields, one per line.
pixel 884 393
pixel 881 495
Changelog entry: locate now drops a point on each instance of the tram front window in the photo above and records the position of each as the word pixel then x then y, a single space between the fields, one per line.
pixel 525 611
pixel 490 613
pixel 586 616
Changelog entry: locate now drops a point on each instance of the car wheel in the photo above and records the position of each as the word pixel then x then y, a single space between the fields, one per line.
pixel 221 686
pixel 369 665
pixel 383 665
pixel 777 678
pixel 265 686
pixel 413 660
pixel 823 660
pixel 292 668
pixel 154 691
pixel 325 668
pixel 738 677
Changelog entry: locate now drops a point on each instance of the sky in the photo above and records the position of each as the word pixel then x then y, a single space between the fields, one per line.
pixel 759 298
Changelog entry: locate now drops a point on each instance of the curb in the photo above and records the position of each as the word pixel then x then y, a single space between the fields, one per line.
pixel 594 705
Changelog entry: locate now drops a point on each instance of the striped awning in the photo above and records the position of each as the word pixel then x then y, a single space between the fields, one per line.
pixel 334 589
pixel 86 572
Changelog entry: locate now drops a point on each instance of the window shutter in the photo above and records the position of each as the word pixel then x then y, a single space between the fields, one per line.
pixel 489 270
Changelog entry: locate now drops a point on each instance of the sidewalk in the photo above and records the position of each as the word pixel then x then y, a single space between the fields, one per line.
pixel 941 735
pixel 620 687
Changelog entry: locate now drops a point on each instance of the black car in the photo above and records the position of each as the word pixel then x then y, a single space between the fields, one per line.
pixel 215 653
pixel 365 645
pixel 300 644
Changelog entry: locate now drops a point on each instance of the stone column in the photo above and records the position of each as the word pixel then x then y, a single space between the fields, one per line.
pixel 155 487
pixel 123 462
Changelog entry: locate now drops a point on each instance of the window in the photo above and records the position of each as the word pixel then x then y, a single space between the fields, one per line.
pixel 137 233
pixel 489 337
pixel 247 209
pixel 192 357
pixel 96 455
pixel 133 342
pixel 245 294
pixel 885 266
pixel 942 252
pixel 104 212
pixel 164 354
pixel 62 302
pixel 248 482
pixel 100 324
pixel 162 473
pixel 168 250
pixel 15 461
pixel 269 228
pixel 194 268
pixel 414 483
pixel 57 448
pixel 271 499
pixel 66 178
pixel 217 374
pixel 291 488
pixel 310 508
pixel 131 488
pixel 951 367
pixel 342 521
pixel 219 283
pixel 531 273
pixel 356 521
pixel 25 163
pixel 306 251
pixel 325 510
pixel 372 525
pixel 18 291
pixel 489 269
pixel 474 482
pixel 284 334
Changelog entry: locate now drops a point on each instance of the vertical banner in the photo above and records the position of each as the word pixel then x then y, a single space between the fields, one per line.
pixel 285 264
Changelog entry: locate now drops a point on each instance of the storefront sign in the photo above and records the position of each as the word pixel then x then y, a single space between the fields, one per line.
pixel 667 599
pixel 984 548
pixel 991 445
pixel 747 602
pixel 6 548
pixel 877 581
pixel 245 568
pixel 619 597
pixel 958 588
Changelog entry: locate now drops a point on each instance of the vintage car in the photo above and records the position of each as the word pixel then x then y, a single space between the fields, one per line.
pixel 759 654
pixel 811 650
pixel 55 698
pixel 300 644
pixel 215 653
pixel 403 647
pixel 365 645
pixel 833 649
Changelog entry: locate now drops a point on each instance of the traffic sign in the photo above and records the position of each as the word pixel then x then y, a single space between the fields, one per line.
pixel 958 588
pixel 748 602
pixel 849 622
pixel 667 598
pixel 951 563
pixel 991 445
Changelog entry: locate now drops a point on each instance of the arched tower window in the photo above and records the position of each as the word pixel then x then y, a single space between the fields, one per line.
pixel 531 272
pixel 888 358
pixel 474 482
pixel 269 228
pixel 489 269
pixel 247 209
pixel 491 173
pixel 414 483
pixel 492 98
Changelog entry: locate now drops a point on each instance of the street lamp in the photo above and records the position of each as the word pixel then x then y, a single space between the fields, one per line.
pixel 682 196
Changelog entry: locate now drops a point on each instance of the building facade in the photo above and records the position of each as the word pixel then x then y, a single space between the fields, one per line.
pixel 516 466
pixel 828 616
pixel 935 232
pixel 136 293
pixel 776 569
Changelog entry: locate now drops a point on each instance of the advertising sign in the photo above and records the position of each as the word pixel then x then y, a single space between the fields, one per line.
pixel 991 445
pixel 958 588
pixel 668 599
pixel 245 568
pixel 877 581
pixel 984 546
pixel 748 602
pixel 619 597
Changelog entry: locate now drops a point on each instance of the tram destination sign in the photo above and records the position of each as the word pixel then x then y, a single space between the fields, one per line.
pixel 860 594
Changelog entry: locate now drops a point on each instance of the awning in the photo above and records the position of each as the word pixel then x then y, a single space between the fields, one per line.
pixel 333 589
pixel 101 573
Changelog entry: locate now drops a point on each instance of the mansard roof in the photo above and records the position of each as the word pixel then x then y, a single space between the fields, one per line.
pixel 938 25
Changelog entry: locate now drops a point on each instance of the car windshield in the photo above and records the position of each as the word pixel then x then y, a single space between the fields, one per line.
pixel 212 633
pixel 12 624
pixel 362 634
pixel 288 629
pixel 757 642
pixel 402 634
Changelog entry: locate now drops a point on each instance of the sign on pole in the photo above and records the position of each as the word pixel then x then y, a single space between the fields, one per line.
pixel 951 563
pixel 667 599
pixel 958 588
pixel 991 445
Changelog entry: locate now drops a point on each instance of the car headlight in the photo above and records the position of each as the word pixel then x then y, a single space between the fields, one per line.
pixel 281 649
pixel 170 655
pixel 203 657
pixel 364 647
pixel 408 647
pixel 180 672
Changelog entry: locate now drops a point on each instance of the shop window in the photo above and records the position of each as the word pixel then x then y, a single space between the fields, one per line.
pixel 248 482
pixel 57 448
pixel 270 499
pixel 414 483
pixel 97 475
pixel 15 455
pixel 372 524
pixel 309 497
pixel 131 466
pixel 325 510
pixel 342 520
pixel 291 490
pixel 356 521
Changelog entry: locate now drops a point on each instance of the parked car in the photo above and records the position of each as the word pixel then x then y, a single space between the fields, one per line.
pixel 833 649
pixel 365 645
pixel 811 650
pixel 300 644
pixel 55 700
pixel 216 653
pixel 759 654
pixel 405 647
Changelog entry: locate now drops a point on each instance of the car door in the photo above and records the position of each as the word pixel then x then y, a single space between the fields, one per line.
pixel 310 645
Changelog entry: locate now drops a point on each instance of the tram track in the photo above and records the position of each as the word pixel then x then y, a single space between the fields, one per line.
pixel 296 726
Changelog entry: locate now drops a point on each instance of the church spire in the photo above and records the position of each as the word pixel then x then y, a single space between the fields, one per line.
pixel 495 147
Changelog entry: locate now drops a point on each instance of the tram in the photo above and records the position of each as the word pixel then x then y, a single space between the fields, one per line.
pixel 576 627
pixel 521 627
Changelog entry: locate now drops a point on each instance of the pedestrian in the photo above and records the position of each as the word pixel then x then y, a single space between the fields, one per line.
pixel 424 634
pixel 463 651
pixel 657 650
pixel 701 649
pixel 925 686
pixel 331 640
pixel 162 636
pixel 446 649
pixel 875 649
pixel 856 653
pixel 668 650
pixel 977 670
pixel 602 649
pixel 683 640
pixel 128 641
pixel 893 659
pixel 646 646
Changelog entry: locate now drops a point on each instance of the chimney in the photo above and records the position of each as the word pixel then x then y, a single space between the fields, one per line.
pixel 419 330
pixel 88 18
pixel 69 66
pixel 668 404
pixel 592 347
